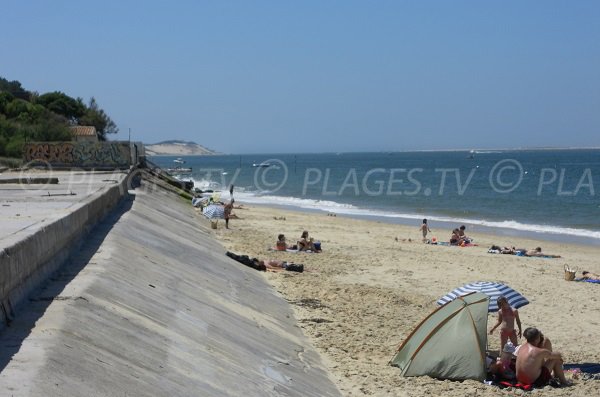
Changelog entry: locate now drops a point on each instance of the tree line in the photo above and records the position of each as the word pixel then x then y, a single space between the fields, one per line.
pixel 27 116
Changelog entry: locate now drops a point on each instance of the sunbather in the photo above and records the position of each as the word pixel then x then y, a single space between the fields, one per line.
pixel 463 236
pixel 267 264
pixel 537 365
pixel 589 275
pixel 538 252
pixel 281 245
pixel 306 243
pixel 496 249
pixel 455 238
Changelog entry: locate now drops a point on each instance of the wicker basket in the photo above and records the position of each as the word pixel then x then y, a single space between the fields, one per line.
pixel 569 273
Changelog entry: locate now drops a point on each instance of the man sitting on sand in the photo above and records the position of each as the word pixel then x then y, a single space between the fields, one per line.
pixel 538 252
pixel 535 366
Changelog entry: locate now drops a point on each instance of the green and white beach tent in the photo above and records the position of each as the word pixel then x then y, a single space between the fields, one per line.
pixel 450 343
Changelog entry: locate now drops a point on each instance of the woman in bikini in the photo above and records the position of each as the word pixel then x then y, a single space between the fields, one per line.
pixel 506 320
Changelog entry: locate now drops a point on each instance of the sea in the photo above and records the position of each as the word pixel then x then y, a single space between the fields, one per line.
pixel 547 194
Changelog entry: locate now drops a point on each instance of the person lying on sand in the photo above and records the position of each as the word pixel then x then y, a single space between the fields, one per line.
pixel 496 249
pixel 538 252
pixel 267 264
pixel 589 275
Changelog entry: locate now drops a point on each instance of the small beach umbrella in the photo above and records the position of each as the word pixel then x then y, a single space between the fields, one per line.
pixel 491 289
pixel 214 211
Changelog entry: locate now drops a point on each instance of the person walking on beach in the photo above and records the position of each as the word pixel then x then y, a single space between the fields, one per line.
pixel 424 229
pixel 506 320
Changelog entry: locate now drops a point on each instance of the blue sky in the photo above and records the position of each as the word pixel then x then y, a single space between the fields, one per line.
pixel 320 76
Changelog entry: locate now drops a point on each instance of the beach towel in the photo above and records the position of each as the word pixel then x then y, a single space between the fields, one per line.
pixel 588 368
pixel 522 253
pixel 588 280
pixel 292 250
pixel 511 383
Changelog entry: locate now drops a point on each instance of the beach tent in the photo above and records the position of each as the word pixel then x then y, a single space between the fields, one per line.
pixel 450 343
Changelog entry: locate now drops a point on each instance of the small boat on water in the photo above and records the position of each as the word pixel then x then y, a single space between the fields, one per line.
pixel 179 160
pixel 179 170
pixel 262 165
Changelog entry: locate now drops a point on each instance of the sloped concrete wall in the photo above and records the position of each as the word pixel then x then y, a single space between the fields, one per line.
pixel 27 263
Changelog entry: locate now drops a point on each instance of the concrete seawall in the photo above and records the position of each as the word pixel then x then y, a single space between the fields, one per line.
pixel 150 306
pixel 32 249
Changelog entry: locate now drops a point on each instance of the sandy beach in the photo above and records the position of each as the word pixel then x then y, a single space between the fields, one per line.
pixel 371 285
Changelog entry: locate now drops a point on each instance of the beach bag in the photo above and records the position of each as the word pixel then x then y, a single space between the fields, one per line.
pixel 569 273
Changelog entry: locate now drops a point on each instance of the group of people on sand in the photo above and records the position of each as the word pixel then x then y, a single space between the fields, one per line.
pixel 458 236
pixel 536 252
pixel 305 243
pixel 531 363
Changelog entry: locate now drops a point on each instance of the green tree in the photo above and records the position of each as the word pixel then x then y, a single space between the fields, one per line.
pixel 99 119
pixel 14 88
pixel 16 107
pixel 14 147
pixel 62 104
pixel 5 99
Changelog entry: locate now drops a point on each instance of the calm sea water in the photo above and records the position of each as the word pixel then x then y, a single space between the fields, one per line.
pixel 553 192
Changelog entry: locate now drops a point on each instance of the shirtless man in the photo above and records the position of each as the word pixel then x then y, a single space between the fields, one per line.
pixel 535 366
pixel 538 252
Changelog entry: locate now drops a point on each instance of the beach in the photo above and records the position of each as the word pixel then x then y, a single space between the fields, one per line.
pixel 374 282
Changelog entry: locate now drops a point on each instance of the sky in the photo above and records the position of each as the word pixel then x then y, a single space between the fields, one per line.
pixel 319 76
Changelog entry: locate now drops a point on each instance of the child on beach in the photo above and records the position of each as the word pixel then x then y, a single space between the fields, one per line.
pixel 424 229
pixel 281 245
pixel 506 320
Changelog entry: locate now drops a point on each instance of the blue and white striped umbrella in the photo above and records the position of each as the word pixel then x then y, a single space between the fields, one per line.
pixel 491 289
pixel 214 211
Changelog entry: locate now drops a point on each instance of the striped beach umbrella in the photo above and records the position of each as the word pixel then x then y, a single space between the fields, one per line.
pixel 214 211
pixel 491 289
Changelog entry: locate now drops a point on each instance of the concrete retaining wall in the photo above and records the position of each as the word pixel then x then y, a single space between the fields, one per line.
pixel 29 262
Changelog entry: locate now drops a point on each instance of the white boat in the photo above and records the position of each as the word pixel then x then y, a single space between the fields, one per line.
pixel 179 160
pixel 261 165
